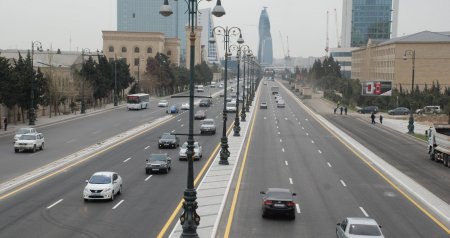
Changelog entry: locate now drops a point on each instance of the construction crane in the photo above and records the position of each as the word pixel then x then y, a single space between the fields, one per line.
pixel 337 29
pixel 287 57
pixel 327 48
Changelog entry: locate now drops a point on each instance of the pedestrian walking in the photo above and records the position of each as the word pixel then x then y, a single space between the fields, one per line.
pixel 6 123
pixel 373 118
pixel 335 110
pixel 345 110
pixel 381 119
pixel 342 110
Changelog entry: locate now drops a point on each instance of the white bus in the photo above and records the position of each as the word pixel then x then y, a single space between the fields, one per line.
pixel 138 101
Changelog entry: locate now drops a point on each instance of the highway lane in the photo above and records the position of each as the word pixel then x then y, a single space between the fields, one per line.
pixel 68 137
pixel 330 181
pixel 55 208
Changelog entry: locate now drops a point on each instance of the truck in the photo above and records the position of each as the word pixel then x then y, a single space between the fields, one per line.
pixel 306 93
pixel 439 143
pixel 275 90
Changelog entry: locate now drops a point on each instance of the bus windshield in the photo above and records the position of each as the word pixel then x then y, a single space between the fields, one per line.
pixel 133 99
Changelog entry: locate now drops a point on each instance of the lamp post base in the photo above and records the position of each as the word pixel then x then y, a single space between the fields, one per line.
pixel 411 124
pixel 224 153
pixel 243 116
pixel 190 219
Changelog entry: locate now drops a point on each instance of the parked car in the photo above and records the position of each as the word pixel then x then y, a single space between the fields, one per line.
pixel 158 163
pixel 29 142
pixel 358 227
pixel 281 103
pixel 429 110
pixel 399 111
pixel 163 103
pixel 22 131
pixel 368 109
pixel 205 102
pixel 200 115
pixel 278 201
pixel 102 185
pixel 185 106
pixel 208 126
pixel 263 105
pixel 198 151
pixel 168 140
pixel 173 109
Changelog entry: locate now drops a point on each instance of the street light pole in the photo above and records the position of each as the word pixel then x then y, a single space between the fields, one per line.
pixel 31 113
pixel 115 82
pixel 225 32
pixel 246 51
pixel 249 58
pixel 190 219
pixel 412 53
pixel 83 105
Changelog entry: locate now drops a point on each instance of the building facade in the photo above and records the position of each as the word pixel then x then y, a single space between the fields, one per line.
pixel 205 20
pixel 143 16
pixel 136 47
pixel 265 49
pixel 393 60
pixel 344 58
pixel 368 19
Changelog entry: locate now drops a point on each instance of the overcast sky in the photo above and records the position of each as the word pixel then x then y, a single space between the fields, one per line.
pixel 76 24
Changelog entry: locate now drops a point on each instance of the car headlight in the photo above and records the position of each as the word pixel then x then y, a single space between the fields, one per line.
pixel 107 190
pixel 163 165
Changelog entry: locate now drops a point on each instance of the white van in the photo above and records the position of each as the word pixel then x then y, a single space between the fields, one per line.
pixel 231 106
pixel 200 88
pixel 213 84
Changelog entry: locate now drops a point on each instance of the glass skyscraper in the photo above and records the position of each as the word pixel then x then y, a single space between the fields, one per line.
pixel 265 50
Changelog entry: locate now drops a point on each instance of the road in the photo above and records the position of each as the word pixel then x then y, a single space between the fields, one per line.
pixel 290 149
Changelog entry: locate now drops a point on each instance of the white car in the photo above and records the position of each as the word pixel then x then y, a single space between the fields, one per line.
pixel 102 185
pixel 185 106
pixel 197 151
pixel 231 106
pixel 29 142
pixel 22 131
pixel 358 227
pixel 163 103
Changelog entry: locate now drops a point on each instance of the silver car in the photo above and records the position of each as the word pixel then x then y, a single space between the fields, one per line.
pixel 197 151
pixel 208 126
pixel 358 227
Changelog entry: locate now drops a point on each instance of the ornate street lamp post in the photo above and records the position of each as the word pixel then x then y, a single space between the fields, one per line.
pixel 31 112
pixel 225 32
pixel 249 59
pixel 190 219
pixel 411 53
pixel 83 105
pixel 246 52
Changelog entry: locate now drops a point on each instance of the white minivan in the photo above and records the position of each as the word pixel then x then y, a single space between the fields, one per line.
pixel 200 88
pixel 213 84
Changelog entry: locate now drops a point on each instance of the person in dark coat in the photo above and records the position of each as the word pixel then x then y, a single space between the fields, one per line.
pixel 6 123
pixel 345 110
pixel 381 119
pixel 342 110
pixel 373 118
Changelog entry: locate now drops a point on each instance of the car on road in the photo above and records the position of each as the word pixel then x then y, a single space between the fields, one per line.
pixel 168 140
pixel 368 109
pixel 399 111
pixel 200 88
pixel 231 106
pixel 158 163
pixel 30 142
pixel 208 126
pixel 358 227
pixel 200 115
pixel 281 103
pixel 21 131
pixel 198 151
pixel 278 201
pixel 263 105
pixel 173 109
pixel 103 185
pixel 221 94
pixel 278 97
pixel 205 102
pixel 163 103
pixel 185 106
pixel 221 85
pixel 265 83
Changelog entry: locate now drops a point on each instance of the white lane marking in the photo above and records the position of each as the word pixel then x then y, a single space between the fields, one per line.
pixel 307 134
pixel 364 212
pixel 296 119
pixel 285 118
pixel 282 149
pixel 172 131
pixel 146 147
pixel 306 119
pixel 179 120
pixel 70 141
pixel 126 160
pixel 303 128
pixel 329 165
pixel 265 118
pixel 286 162
pixel 54 204
pixel 148 178
pixel 312 141
pixel 278 133
pixel 182 125
pixel 290 181
pixel 343 183
pixel 281 140
pixel 277 127
pixel 298 208
pixel 118 204
pixel 299 123
pixel 320 152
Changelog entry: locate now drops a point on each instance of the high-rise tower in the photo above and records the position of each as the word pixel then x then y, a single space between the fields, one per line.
pixel 265 50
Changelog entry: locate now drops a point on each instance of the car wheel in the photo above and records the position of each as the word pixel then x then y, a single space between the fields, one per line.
pixel 147 171
pixel 167 170
pixel 42 146
pixel 120 190
pixel 16 150
pixel 34 148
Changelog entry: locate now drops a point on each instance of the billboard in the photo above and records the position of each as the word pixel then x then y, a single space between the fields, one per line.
pixel 377 88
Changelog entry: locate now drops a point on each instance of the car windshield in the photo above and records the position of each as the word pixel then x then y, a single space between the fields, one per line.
pixel 208 123
pixel 28 137
pixel 184 146
pixel 231 104
pixel 23 131
pixel 158 157
pixel 364 230
pixel 167 136
pixel 163 101
pixel 100 179
pixel 279 195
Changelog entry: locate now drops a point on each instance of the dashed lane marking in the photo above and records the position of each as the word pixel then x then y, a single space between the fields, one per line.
pixel 281 140
pixel 146 147
pixel 126 160
pixel 54 204
pixel 312 141
pixel 118 204
pixel 343 183
pixel 290 181
pixel 148 178
pixel 320 152
pixel 298 208
pixel 282 149
pixel 286 162
pixel 329 165
pixel 364 212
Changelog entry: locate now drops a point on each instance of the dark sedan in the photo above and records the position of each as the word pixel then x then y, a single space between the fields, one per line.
pixel 399 111
pixel 368 109
pixel 205 102
pixel 159 163
pixel 168 140
pixel 200 115
pixel 278 201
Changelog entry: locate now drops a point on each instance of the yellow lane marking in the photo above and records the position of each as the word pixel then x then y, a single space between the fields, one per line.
pixel 409 198
pixel 196 181
pixel 28 185
pixel 241 172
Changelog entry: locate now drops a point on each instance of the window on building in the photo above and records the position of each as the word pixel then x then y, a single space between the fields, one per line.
pixel 111 49
pixel 136 61
pixel 169 53
pixel 124 49
pixel 136 49
pixel 149 50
